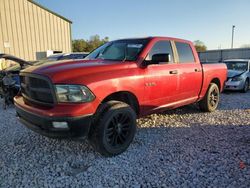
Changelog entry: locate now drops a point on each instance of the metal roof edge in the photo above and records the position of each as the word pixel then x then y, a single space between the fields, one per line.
pixel 52 12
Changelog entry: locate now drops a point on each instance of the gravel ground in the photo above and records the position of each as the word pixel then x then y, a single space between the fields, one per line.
pixel 180 148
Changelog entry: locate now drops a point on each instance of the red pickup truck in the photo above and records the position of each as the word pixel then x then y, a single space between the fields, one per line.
pixel 101 97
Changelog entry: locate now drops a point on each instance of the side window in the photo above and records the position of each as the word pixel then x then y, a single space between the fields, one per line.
pixel 185 52
pixel 161 47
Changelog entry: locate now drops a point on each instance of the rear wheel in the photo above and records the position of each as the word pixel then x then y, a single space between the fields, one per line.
pixel 211 100
pixel 246 86
pixel 114 128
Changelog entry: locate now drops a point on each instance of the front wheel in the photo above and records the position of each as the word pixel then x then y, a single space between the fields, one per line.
pixel 211 100
pixel 246 86
pixel 114 128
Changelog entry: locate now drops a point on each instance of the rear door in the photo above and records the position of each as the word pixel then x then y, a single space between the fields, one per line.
pixel 190 73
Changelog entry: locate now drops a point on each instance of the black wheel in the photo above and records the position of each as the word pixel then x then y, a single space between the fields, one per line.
pixel 211 100
pixel 246 86
pixel 113 129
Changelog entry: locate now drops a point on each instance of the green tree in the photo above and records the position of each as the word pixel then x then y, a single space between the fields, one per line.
pixel 94 42
pixel 200 46
pixel 79 45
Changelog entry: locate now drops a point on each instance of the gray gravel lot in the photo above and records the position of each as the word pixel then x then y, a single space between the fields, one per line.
pixel 180 148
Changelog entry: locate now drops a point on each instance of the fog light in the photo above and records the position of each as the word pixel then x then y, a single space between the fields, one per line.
pixel 60 125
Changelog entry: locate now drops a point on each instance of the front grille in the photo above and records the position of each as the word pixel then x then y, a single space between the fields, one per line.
pixel 36 89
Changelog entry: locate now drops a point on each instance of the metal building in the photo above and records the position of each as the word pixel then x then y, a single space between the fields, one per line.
pixel 220 55
pixel 28 29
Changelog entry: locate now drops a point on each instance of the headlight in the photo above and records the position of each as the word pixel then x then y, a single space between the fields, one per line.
pixel 236 79
pixel 73 93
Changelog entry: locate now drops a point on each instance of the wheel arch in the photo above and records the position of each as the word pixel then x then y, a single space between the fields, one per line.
pixel 217 82
pixel 126 97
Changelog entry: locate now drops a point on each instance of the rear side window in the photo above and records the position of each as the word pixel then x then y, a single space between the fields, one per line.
pixel 185 52
pixel 161 47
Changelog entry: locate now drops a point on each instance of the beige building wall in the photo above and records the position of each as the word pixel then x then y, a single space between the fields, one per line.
pixel 27 28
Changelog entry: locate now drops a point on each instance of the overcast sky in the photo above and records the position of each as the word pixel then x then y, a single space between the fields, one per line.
pixel 209 21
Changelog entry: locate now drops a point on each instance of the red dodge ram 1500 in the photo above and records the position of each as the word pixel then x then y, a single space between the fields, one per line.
pixel 101 97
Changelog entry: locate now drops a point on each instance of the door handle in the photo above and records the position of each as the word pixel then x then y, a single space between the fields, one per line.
pixel 197 70
pixel 173 72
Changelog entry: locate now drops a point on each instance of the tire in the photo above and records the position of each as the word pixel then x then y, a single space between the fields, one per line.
pixel 246 86
pixel 113 128
pixel 211 100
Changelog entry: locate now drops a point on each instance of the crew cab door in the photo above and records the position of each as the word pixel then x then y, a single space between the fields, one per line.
pixel 190 73
pixel 161 79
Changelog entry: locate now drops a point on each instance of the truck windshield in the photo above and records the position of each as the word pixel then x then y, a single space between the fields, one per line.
pixel 237 65
pixel 121 50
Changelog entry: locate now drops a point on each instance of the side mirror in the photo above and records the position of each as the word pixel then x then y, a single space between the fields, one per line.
pixel 157 59
pixel 161 58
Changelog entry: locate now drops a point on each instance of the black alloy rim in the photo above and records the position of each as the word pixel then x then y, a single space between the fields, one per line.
pixel 118 130
pixel 214 97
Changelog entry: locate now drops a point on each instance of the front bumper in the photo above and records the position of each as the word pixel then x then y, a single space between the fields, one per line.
pixel 234 85
pixel 77 126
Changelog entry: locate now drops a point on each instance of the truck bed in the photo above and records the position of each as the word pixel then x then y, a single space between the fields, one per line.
pixel 211 71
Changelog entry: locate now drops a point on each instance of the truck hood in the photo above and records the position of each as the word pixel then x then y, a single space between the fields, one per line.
pixel 70 71
pixel 234 73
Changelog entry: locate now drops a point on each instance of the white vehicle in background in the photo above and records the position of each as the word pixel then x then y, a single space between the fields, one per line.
pixel 238 76
pixel 65 56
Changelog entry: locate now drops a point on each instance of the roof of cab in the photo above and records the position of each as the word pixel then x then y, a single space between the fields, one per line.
pixel 155 37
